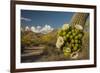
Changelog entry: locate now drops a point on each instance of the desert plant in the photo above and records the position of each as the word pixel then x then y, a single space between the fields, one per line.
pixel 70 39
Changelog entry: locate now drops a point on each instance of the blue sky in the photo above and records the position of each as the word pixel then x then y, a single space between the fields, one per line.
pixel 41 18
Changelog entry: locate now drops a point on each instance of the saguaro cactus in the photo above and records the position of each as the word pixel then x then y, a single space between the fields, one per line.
pixel 79 18
pixel 70 37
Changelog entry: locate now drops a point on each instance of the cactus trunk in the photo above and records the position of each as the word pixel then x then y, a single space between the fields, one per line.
pixel 79 18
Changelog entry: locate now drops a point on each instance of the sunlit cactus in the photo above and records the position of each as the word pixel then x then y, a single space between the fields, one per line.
pixel 72 35
pixel 79 18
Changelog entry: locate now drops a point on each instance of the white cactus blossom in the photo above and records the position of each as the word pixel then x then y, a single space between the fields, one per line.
pixel 79 27
pixel 74 55
pixel 60 42
pixel 65 26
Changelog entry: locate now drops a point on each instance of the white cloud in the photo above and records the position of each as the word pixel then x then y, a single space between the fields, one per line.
pixel 35 29
pixel 39 29
pixel 46 29
pixel 27 28
pixel 25 19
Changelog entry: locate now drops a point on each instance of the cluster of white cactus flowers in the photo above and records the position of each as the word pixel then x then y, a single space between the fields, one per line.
pixel 69 39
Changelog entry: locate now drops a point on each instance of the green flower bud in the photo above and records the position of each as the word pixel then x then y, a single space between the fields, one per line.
pixel 71 37
pixel 72 41
pixel 64 33
pixel 79 35
pixel 75 48
pixel 74 33
pixel 76 37
pixel 66 49
pixel 67 54
pixel 76 45
pixel 76 41
pixel 73 45
pixel 69 33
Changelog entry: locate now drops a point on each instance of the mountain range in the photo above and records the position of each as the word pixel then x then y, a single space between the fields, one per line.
pixel 38 29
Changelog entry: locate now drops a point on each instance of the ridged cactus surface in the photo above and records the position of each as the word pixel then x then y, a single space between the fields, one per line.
pixel 79 18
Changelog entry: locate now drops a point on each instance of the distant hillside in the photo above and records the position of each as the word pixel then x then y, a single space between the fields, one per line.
pixel 29 38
